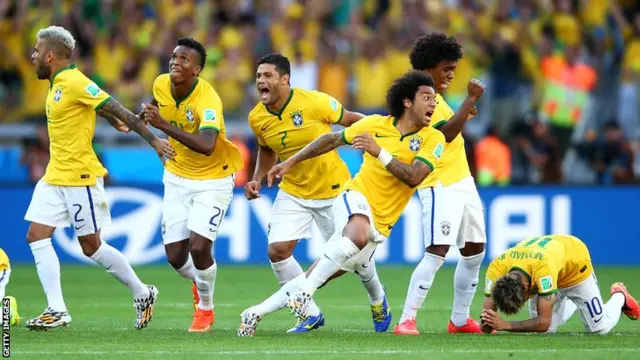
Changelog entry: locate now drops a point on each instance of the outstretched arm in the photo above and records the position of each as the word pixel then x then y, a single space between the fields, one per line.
pixel 114 109
pixel 454 126
pixel 113 121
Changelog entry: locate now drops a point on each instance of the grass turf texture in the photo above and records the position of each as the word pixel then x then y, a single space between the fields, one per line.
pixel 103 318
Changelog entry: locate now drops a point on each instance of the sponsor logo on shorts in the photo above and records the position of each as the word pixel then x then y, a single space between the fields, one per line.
pixel 445 226
pixel 363 207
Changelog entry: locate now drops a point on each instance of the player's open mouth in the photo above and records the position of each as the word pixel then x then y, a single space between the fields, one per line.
pixel 175 70
pixel 429 113
pixel 264 92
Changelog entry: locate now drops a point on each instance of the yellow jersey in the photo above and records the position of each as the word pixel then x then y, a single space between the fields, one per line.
pixel 388 195
pixel 551 262
pixel 200 109
pixel 304 117
pixel 454 163
pixel 4 262
pixel 71 106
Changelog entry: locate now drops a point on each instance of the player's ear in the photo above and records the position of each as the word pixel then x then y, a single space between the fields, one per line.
pixel 284 79
pixel 407 103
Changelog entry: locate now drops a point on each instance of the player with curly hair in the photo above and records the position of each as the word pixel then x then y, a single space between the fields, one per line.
pixel 451 207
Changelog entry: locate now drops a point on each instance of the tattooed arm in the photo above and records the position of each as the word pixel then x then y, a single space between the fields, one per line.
pixel 115 109
pixel 541 323
pixel 319 146
pixel 115 122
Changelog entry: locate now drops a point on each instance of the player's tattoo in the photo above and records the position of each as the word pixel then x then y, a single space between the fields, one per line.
pixel 319 146
pixel 115 109
pixel 535 323
pixel 412 175
pixel 110 118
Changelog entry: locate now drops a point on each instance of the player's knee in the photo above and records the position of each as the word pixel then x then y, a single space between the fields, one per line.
pixel 89 244
pixel 358 230
pixel 201 249
pixel 439 250
pixel 176 260
pixel 37 232
pixel 279 252
pixel 471 249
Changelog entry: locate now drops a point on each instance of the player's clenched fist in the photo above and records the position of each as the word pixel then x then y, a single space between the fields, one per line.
pixel 367 143
pixel 252 190
pixel 475 88
pixel 278 171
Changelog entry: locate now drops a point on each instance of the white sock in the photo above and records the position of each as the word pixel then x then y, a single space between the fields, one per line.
pixel 205 282
pixel 465 283
pixel 612 311
pixel 420 283
pixel 48 267
pixel 371 281
pixel 117 265
pixel 279 299
pixel 335 256
pixel 188 271
pixel 286 270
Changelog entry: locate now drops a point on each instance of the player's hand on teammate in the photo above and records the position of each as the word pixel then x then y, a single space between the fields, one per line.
pixel 151 114
pixel 475 88
pixel 367 143
pixel 278 171
pixel 122 127
pixel 164 149
pixel 492 319
pixel 252 190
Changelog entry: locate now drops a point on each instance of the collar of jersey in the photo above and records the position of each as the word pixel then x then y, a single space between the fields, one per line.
pixel 193 87
pixel 72 66
pixel 279 115
pixel 395 121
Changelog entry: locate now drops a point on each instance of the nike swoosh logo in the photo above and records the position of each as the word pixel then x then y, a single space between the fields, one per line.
pixel 380 136
pixel 598 319
pixel 264 128
pixel 162 105
pixel 423 288
pixel 365 266
pixel 79 227
pixel 474 285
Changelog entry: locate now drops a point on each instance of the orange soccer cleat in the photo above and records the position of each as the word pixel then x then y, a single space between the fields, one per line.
pixel 202 321
pixel 196 297
pixel 407 327
pixel 631 307
pixel 471 327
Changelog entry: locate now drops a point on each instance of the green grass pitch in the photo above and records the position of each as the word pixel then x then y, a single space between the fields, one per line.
pixel 103 317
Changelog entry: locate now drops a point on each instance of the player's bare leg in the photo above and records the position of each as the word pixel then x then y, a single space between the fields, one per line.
pixel 179 257
pixel 116 264
pixel 206 270
pixel 48 268
pixel 465 283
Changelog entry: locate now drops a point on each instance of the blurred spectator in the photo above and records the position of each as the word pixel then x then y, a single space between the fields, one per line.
pixel 493 160
pixel 372 76
pixel 536 156
pixel 35 154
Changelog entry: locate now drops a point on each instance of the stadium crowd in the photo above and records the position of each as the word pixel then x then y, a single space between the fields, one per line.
pixel 562 99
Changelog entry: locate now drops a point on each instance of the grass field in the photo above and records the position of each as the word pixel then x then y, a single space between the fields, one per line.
pixel 103 318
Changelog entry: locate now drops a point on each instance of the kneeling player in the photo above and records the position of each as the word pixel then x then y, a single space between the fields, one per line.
pixel 556 274
pixel 400 156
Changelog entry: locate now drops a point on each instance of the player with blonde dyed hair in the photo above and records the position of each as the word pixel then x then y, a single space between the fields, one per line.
pixel 71 191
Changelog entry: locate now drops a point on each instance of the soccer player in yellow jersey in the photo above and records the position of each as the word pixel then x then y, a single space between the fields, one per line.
pixel 400 156
pixel 285 121
pixel 452 213
pixel 198 183
pixel 555 273
pixel 71 191
pixel 5 274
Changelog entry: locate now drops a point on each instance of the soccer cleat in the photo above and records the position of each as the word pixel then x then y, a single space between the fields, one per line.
pixel 202 320
pixel 298 303
pixel 49 319
pixel 471 327
pixel 196 297
pixel 144 307
pixel 248 323
pixel 308 324
pixel 407 327
pixel 631 307
pixel 381 315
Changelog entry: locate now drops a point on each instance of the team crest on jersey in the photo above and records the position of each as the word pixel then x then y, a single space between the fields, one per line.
pixel 415 143
pixel 58 94
pixel 445 226
pixel 296 118
pixel 189 113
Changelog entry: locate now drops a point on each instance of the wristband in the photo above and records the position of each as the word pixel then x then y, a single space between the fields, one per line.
pixel 385 157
